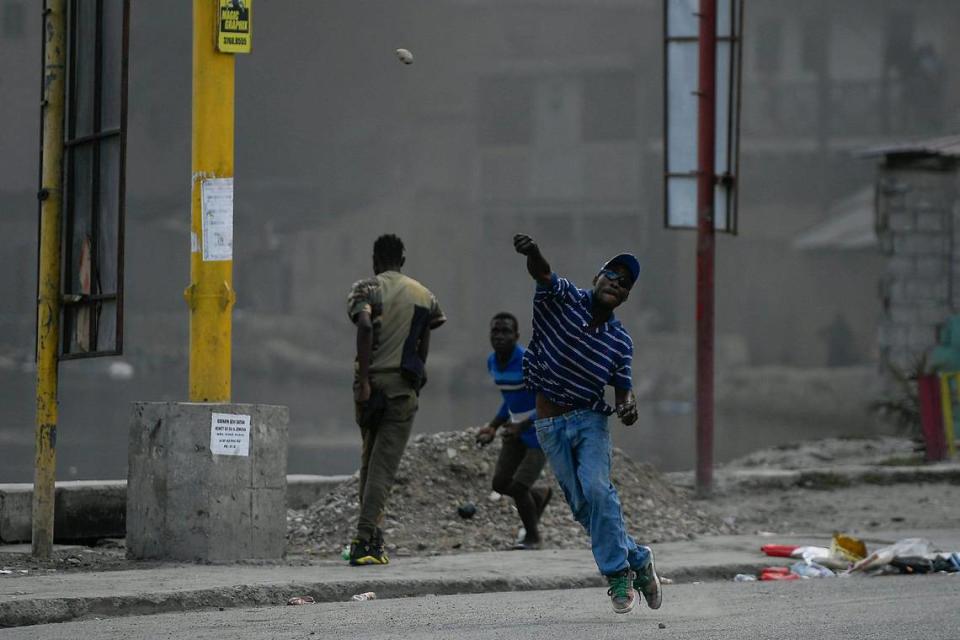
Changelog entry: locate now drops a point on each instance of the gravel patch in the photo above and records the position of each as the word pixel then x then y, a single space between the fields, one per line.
pixel 440 472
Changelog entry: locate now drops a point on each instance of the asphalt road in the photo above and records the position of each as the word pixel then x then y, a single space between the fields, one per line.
pixel 879 608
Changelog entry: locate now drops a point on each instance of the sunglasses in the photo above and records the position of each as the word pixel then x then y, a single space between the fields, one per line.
pixel 621 279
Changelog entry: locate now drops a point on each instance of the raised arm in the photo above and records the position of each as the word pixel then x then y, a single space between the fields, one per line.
pixel 537 266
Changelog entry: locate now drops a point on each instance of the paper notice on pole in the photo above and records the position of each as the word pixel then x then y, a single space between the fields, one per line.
pixel 230 434
pixel 216 211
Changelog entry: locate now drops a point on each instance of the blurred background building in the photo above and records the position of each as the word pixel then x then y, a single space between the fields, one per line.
pixel 518 115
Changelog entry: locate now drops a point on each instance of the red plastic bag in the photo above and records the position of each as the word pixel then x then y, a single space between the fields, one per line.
pixel 779 550
pixel 778 573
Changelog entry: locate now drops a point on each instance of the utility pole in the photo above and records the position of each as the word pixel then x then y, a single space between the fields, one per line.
pixel 706 241
pixel 48 286
pixel 210 295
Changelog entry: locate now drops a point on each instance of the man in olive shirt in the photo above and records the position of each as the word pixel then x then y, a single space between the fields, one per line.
pixel 394 315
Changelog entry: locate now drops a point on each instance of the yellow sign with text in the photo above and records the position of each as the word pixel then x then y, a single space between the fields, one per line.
pixel 235 26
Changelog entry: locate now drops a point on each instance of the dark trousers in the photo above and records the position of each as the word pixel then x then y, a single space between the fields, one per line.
pixel 517 463
pixel 518 468
pixel 383 447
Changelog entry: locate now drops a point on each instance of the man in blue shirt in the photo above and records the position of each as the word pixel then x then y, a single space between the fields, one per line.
pixel 577 349
pixel 521 460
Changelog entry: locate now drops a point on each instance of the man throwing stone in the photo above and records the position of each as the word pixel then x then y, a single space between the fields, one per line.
pixel 578 348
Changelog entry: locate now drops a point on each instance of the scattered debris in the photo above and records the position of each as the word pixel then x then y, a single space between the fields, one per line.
pixel 298 600
pixel 811 570
pixel 848 548
pixel 467 510
pixel 779 550
pixel 777 573
pixel 844 551
pixel 362 597
pixel 848 555
pixel 662 625
pixel 906 548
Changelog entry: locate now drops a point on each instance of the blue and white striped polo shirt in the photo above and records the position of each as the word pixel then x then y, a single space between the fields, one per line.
pixel 568 362
pixel 519 402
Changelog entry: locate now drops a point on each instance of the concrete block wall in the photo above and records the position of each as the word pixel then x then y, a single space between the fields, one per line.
pixel 919 231
pixel 186 502
pixel 84 510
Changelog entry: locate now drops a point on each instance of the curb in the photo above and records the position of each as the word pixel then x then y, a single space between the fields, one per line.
pixel 90 509
pixel 27 612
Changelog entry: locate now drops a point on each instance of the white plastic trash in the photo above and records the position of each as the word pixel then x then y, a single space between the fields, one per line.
pixel 811 570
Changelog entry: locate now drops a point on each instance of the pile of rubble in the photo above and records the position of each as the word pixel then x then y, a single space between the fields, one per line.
pixel 440 472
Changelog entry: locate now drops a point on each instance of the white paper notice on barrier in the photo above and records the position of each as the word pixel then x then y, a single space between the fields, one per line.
pixel 230 434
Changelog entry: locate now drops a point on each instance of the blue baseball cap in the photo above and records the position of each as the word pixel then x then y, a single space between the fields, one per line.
pixel 629 261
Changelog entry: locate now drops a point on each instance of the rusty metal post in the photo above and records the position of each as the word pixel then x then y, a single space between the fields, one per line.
pixel 48 303
pixel 706 240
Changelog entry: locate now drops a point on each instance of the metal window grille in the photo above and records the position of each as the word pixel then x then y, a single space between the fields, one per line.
pixel 94 178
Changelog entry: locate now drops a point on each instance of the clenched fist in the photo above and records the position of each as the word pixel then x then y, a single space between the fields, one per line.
pixel 525 245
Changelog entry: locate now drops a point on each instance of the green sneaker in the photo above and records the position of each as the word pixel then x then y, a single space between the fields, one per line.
pixel 622 596
pixel 647 582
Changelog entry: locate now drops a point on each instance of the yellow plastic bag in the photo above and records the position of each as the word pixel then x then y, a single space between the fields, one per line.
pixel 848 547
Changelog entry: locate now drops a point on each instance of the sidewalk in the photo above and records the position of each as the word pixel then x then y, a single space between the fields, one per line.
pixel 827 477
pixel 58 597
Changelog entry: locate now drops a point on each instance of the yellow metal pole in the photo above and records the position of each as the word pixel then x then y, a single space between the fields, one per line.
pixel 48 302
pixel 210 295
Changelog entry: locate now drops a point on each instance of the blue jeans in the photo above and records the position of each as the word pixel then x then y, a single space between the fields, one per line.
pixel 579 449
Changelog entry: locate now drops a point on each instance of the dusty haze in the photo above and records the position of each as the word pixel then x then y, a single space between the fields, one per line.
pixel 517 115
